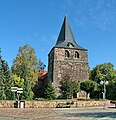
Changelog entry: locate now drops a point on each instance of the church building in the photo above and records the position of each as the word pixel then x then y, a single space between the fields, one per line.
pixel 67 59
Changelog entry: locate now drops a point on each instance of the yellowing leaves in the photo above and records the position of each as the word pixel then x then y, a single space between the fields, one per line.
pixel 18 82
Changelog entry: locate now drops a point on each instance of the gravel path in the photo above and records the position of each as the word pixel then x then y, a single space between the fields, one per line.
pixel 57 114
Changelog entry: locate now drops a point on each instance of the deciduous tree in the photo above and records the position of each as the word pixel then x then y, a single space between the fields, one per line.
pixel 111 90
pixel 25 66
pixel 103 71
pixel 18 82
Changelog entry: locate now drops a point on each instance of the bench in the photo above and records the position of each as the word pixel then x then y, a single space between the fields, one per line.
pixel 64 105
pixel 114 102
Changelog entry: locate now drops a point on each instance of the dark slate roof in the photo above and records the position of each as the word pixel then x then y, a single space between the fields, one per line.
pixel 66 36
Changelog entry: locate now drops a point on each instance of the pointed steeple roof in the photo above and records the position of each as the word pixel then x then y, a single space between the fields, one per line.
pixel 66 38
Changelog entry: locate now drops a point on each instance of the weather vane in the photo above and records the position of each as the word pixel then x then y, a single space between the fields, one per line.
pixel 66 11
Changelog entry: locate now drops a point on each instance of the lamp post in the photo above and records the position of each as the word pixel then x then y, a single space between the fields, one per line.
pixel 104 83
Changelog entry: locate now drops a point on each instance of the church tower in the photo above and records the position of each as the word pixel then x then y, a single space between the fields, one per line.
pixel 67 59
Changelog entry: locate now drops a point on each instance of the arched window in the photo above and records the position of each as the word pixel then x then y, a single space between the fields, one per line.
pixel 67 54
pixel 76 54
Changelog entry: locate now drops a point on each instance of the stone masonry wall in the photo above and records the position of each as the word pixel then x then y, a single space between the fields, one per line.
pixel 50 64
pixel 71 67
pixel 52 104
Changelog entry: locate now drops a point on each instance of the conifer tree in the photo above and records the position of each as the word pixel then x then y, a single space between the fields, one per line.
pixel 65 88
pixel 27 89
pixel 68 87
pixel 50 92
pixel 6 80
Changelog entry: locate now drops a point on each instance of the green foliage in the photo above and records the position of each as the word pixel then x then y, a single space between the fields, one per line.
pixel 27 89
pixel 6 80
pixel 25 66
pixel 68 87
pixel 75 86
pixel 88 86
pixel 65 88
pixel 26 57
pixel 103 71
pixel 50 92
pixel 18 82
pixel 111 90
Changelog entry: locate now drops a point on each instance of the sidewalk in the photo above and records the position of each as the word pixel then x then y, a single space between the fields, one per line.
pixel 91 113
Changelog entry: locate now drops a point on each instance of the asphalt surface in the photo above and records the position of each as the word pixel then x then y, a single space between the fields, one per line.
pixel 96 113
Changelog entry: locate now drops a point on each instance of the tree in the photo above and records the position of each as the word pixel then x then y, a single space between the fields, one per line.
pixel 74 88
pixel 50 92
pixel 41 65
pixel 26 57
pixel 65 87
pixel 68 87
pixel 88 86
pixel 6 80
pixel 111 90
pixel 18 82
pixel 103 71
pixel 2 94
pixel 25 66
pixel 27 89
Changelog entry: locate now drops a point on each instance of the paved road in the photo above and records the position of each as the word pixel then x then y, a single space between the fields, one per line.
pixel 58 114
pixel 88 113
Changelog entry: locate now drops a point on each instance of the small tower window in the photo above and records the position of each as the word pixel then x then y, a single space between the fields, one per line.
pixel 70 45
pixel 67 54
pixel 76 55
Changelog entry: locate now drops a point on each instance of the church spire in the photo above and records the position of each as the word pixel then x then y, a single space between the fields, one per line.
pixel 66 38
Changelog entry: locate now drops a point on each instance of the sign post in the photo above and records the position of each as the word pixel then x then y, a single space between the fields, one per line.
pixel 18 92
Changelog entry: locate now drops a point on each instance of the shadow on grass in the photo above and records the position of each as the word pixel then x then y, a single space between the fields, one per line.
pixel 92 115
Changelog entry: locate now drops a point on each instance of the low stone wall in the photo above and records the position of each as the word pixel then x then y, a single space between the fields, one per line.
pixel 51 104
pixel 7 104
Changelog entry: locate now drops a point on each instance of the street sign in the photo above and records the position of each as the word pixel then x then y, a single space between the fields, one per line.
pixel 13 89
pixel 20 89
pixel 19 92
pixel 16 89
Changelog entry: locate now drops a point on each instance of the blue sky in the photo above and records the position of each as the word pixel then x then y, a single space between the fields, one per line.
pixel 38 23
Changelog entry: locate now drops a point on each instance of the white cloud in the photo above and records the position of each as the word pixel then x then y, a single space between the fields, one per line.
pixel 99 13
